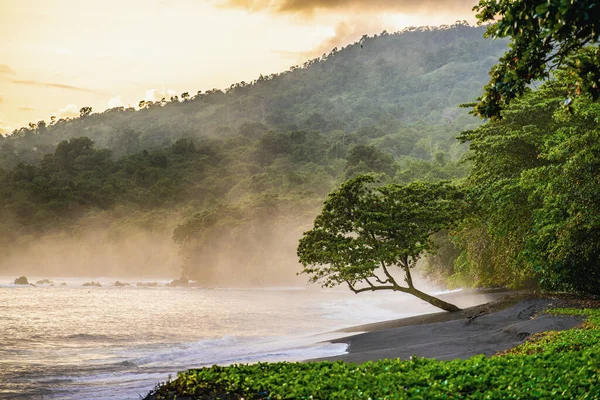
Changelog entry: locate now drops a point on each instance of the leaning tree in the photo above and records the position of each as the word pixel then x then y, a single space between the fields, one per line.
pixel 366 233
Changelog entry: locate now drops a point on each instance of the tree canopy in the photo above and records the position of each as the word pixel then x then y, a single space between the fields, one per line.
pixel 535 181
pixel 364 233
pixel 544 34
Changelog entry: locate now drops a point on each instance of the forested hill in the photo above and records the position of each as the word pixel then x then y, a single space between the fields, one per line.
pixel 227 180
pixel 420 74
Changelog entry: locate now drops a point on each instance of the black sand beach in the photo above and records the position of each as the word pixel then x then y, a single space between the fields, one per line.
pixel 483 329
pixel 487 328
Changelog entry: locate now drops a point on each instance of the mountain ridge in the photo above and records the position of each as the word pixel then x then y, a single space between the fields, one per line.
pixel 366 79
pixel 235 177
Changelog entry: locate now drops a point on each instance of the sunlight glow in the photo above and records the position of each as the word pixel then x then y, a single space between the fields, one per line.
pixel 91 53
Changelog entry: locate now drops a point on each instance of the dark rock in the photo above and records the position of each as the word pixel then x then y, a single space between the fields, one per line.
pixel 121 284
pixel 44 282
pixel 63 284
pixel 92 283
pixel 21 281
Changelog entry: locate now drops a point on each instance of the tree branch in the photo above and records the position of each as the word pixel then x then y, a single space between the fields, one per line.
pixel 407 275
pixel 377 288
pixel 564 51
pixel 390 278
pixel 351 287
pixel 379 280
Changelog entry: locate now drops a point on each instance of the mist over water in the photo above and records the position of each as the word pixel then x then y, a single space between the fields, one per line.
pixel 79 342
pixel 256 257
pixel 95 252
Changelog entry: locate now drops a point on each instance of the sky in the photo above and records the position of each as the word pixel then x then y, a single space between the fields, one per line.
pixel 57 56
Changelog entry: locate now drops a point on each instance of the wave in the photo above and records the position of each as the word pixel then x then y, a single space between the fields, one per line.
pixel 230 350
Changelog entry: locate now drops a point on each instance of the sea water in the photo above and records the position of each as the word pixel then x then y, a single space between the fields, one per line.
pixel 76 342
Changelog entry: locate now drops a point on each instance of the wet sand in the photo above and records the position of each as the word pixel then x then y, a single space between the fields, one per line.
pixel 501 324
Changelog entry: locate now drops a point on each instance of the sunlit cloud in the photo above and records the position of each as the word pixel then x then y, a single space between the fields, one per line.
pixel 115 102
pixel 157 95
pixel 348 32
pixel 351 30
pixel 310 6
pixel 70 110
pixel 54 85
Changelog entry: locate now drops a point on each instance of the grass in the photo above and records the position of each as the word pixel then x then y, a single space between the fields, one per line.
pixel 550 365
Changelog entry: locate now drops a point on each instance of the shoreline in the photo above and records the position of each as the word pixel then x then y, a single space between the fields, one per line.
pixel 481 331
pixel 488 328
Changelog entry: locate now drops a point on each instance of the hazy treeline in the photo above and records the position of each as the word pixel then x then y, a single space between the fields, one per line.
pixel 370 87
pixel 227 181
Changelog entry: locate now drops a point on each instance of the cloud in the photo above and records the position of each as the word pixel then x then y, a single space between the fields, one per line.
pixel 70 110
pixel 54 85
pixel 115 102
pixel 26 109
pixel 349 32
pixel 156 95
pixel 344 33
pixel 6 70
pixel 310 6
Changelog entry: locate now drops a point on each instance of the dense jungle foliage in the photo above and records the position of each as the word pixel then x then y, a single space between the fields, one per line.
pixel 235 176
pixel 232 178
pixel 534 187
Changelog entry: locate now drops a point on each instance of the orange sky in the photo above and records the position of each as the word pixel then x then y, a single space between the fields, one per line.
pixel 57 56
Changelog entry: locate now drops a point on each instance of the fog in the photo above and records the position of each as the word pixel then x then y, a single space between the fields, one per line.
pixel 95 253
pixel 257 253
pixel 250 257
pixel 259 250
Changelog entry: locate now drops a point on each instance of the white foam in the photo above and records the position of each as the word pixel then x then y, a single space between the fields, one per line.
pixel 231 350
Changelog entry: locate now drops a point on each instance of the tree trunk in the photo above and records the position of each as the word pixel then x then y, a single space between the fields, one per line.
pixel 433 300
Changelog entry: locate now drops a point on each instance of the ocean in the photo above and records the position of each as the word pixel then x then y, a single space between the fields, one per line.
pixel 76 342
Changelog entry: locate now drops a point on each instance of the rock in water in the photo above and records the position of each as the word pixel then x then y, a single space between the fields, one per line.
pixel 21 281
